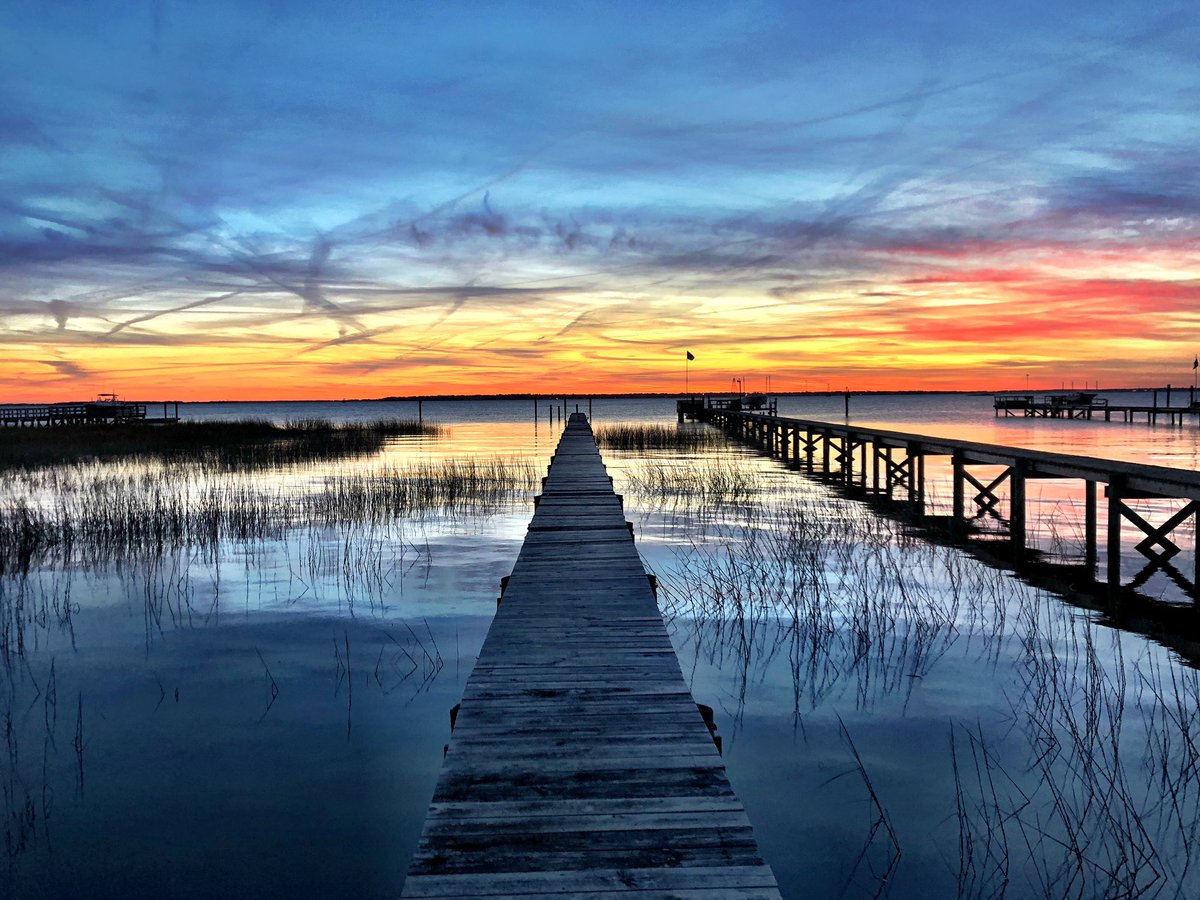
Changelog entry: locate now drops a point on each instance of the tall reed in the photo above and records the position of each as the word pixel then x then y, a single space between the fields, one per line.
pixel 1091 784
pixel 107 514
pixel 233 442
pixel 640 438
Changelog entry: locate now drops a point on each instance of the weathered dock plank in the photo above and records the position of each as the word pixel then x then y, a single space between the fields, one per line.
pixel 579 764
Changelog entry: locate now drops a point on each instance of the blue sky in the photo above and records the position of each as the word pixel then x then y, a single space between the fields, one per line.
pixel 196 194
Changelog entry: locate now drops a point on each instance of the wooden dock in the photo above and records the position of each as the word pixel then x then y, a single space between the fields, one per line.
pixel 579 763
pixel 891 465
pixel 96 412
pixel 1057 406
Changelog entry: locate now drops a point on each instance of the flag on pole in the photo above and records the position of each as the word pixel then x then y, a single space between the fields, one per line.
pixel 690 357
pixel 1195 361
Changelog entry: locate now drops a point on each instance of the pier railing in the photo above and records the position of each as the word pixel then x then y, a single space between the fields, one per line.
pixel 1055 406
pixel 891 464
pixel 98 413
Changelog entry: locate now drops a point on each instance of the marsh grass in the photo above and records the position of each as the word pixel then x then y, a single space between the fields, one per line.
pixel 709 481
pixel 640 438
pixel 845 598
pixel 101 514
pixel 1085 783
pixel 1088 786
pixel 249 443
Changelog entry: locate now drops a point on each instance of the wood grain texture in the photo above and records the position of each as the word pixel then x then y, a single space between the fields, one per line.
pixel 579 765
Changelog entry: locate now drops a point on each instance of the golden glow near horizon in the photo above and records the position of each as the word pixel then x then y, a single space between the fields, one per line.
pixel 957 331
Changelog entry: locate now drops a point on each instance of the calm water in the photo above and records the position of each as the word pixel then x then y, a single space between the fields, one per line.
pixel 966 416
pixel 265 716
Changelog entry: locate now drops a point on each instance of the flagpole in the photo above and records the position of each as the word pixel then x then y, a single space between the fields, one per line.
pixel 687 363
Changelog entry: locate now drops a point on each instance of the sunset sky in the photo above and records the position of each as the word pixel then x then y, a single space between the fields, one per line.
pixel 317 200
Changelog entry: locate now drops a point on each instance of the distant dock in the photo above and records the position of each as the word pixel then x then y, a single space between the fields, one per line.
pixel 105 411
pixel 1085 405
pixel 580 764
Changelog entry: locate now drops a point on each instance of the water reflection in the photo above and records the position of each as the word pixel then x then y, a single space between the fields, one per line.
pixel 936 727
pixel 256 661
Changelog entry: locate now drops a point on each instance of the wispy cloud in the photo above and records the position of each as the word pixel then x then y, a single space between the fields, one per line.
pixel 261 191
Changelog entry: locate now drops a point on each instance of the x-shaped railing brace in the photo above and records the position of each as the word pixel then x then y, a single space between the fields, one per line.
pixel 808 444
pixel 1156 536
pixel 845 454
pixel 896 474
pixel 987 497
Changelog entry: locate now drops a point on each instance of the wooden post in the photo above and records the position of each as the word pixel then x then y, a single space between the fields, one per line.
pixel 874 469
pixel 1113 538
pixel 825 452
pixel 1089 527
pixel 1016 504
pixel 912 475
pixel 957 523
pixel 920 481
pixel 796 444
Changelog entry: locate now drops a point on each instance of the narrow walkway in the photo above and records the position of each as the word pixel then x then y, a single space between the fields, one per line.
pixel 579 764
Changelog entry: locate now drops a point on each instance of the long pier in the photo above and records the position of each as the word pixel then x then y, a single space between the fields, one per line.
pixel 891 465
pixel 579 763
